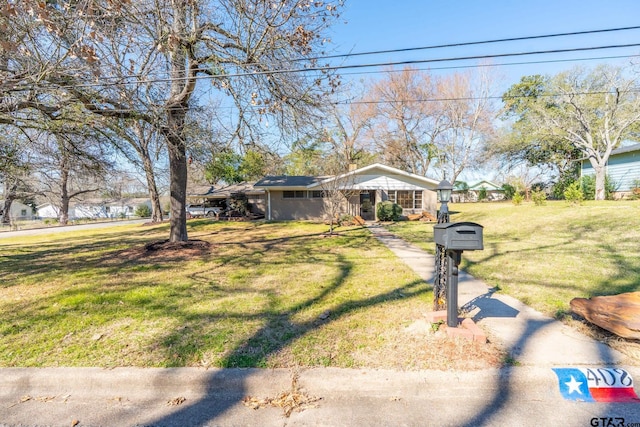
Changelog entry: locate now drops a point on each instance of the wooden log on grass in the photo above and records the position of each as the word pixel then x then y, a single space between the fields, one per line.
pixel 619 314
pixel 428 216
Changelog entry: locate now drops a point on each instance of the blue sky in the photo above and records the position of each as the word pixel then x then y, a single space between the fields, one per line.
pixel 375 25
pixel 381 25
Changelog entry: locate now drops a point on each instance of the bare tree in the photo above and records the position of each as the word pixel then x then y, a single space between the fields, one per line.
pixel 348 133
pixel 67 167
pixel 148 145
pixel 468 110
pixel 337 192
pixel 409 120
pixel 144 60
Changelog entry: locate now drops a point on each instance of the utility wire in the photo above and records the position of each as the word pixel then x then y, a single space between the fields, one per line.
pixel 475 98
pixel 360 66
pixel 400 50
pixel 418 100
pixel 474 43
pixel 501 64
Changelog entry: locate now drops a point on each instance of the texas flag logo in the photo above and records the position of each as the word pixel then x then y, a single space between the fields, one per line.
pixel 596 385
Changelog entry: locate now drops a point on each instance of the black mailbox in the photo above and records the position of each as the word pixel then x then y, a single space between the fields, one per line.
pixel 459 236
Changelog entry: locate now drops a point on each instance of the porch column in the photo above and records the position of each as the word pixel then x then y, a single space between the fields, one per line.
pixel 268 204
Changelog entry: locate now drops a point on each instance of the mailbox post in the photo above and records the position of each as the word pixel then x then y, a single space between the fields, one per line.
pixel 455 238
pixel 443 191
pixel 453 261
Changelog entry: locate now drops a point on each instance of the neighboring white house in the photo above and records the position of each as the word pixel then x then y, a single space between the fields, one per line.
pixel 47 210
pixel 18 211
pixel 95 209
pixel 472 193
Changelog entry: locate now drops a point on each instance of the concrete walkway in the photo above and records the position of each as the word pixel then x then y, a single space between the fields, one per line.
pixel 525 395
pixel 531 338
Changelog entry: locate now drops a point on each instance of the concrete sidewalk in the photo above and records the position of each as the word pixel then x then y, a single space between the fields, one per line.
pixel 181 397
pixel 526 395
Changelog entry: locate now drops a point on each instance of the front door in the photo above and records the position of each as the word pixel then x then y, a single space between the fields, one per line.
pixel 367 205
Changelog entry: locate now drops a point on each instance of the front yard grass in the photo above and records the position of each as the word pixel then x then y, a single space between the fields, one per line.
pixel 257 295
pixel 547 255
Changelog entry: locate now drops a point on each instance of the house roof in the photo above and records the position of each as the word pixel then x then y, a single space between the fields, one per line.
pixel 488 185
pixel 627 149
pixel 380 169
pixel 242 187
pixel 309 182
pixel 14 201
pixel 200 190
pixel 281 181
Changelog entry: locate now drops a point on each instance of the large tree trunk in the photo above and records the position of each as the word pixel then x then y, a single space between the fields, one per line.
pixel 182 87
pixel 178 189
pixel 601 176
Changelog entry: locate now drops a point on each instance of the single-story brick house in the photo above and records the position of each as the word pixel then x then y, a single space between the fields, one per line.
pixel 623 168
pixel 358 191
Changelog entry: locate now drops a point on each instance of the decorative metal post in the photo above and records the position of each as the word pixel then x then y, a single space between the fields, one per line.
pixel 443 190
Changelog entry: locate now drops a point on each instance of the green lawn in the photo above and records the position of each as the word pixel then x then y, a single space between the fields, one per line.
pixel 283 294
pixel 263 294
pixel 547 255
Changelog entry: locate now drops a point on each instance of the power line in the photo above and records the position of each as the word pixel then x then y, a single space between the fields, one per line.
pixel 475 98
pixel 401 50
pixel 474 43
pixel 419 100
pixel 550 61
pixel 367 65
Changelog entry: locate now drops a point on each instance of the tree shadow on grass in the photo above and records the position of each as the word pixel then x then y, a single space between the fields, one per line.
pixel 267 343
pixel 280 326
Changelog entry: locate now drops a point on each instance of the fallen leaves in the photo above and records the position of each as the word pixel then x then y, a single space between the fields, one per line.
pixel 288 401
pixel 177 401
pixel 292 400
pixel 45 399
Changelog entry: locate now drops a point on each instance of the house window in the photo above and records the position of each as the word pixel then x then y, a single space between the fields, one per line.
pixel 23 212
pixel 417 199
pixel 294 194
pixel 318 194
pixel 406 199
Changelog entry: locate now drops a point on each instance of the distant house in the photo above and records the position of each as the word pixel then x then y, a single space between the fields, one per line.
pixel 623 168
pixel 95 208
pixel 361 190
pixel 473 191
pixel 47 210
pixel 110 208
pixel 18 211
